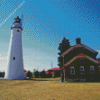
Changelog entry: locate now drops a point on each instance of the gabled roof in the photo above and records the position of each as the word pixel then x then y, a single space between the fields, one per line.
pixel 81 56
pixel 56 68
pixel 76 46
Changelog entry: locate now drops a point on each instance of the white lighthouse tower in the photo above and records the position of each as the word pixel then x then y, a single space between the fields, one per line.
pixel 14 70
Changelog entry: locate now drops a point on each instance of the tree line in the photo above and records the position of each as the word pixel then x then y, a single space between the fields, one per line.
pixel 38 74
pixel 42 74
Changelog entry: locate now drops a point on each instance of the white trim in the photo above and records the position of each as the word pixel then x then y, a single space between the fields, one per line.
pixel 74 58
pixel 92 59
pixel 91 49
pixel 75 46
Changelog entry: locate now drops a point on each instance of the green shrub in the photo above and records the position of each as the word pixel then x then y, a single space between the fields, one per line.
pixel 43 74
pixel 36 74
pixel 57 74
pixel 49 75
pixel 2 74
pixel 29 74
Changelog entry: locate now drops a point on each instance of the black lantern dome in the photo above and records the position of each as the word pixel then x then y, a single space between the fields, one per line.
pixel 17 20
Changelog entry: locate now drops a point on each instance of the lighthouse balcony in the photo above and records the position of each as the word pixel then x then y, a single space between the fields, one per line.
pixel 17 27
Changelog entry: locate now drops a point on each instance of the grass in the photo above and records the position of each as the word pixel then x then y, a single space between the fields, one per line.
pixel 48 89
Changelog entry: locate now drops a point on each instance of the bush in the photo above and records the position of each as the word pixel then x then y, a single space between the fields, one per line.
pixel 43 74
pixel 36 74
pixel 56 73
pixel 49 75
pixel 2 74
pixel 29 74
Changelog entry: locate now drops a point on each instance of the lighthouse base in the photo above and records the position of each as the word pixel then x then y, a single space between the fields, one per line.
pixel 21 77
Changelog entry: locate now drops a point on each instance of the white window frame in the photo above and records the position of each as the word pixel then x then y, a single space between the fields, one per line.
pixel 93 69
pixel 71 70
pixel 81 70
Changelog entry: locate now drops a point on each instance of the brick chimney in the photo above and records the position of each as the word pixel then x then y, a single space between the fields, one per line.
pixel 78 40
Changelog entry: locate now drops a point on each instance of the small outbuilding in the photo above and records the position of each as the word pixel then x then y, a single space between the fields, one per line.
pixel 57 69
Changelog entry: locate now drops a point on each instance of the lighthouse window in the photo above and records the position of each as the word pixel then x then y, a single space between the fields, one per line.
pixel 13 58
pixel 17 30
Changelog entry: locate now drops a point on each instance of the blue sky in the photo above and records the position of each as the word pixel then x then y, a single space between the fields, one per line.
pixel 45 23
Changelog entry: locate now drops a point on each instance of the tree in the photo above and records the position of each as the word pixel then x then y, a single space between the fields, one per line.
pixel 29 74
pixel 36 74
pixel 43 74
pixel 49 75
pixel 2 74
pixel 63 46
pixel 56 73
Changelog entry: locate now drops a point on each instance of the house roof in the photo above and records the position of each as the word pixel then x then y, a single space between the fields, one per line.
pixel 80 56
pixel 56 68
pixel 76 46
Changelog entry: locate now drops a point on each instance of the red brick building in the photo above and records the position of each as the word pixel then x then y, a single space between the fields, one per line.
pixel 80 63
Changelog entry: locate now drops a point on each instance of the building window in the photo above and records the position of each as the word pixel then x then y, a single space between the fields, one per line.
pixel 17 30
pixel 81 61
pixel 13 58
pixel 83 50
pixel 74 50
pixel 82 70
pixel 72 71
pixel 92 69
